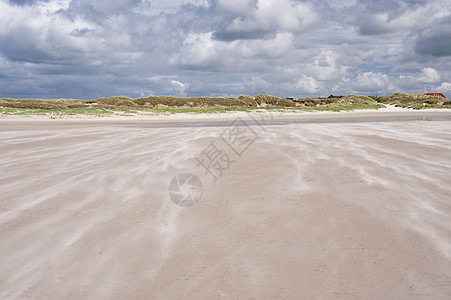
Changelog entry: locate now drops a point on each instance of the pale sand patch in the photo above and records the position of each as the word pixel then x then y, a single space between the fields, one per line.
pixel 310 210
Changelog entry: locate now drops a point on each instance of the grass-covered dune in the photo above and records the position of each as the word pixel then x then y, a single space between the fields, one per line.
pixel 174 102
pixel 416 101
pixel 169 104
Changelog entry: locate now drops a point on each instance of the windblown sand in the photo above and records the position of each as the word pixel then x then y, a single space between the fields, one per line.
pixel 315 210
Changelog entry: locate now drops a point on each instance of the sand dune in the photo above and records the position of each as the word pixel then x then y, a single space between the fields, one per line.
pixel 309 210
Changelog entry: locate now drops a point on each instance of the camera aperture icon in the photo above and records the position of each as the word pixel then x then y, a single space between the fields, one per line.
pixel 185 189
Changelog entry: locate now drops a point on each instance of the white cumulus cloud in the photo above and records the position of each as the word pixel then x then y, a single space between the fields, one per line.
pixel 429 75
pixel 180 87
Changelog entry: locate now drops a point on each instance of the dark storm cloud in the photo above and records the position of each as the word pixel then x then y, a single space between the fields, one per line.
pixel 26 2
pixel 393 7
pixel 436 40
pixel 87 49
pixel 23 49
pixel 80 32
pixel 98 11
pixel 380 17
pixel 224 35
pixel 369 25
pixel 264 19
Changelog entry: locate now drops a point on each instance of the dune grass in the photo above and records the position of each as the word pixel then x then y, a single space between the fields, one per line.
pixel 415 101
pixel 102 112
pixel 162 102
pixel 124 106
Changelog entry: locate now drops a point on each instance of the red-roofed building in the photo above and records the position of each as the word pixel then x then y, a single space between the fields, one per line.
pixel 436 94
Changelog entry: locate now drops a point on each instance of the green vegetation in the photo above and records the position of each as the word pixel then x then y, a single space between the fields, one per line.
pixel 90 111
pixel 121 105
pixel 415 101
pixel 159 102
pixel 336 108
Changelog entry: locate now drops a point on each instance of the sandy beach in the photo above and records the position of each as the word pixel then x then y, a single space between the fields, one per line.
pixel 352 205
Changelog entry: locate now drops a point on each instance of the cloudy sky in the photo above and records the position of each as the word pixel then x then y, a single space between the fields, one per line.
pixel 91 48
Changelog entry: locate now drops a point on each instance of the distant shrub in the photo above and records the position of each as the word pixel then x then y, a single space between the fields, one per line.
pixel 76 105
pixel 382 99
pixel 346 100
pixel 4 103
pixel 42 104
pixel 114 101
pixel 153 101
pixel 431 101
pixel 354 99
pixel 126 103
pixel 310 102
pixel 248 100
pixel 414 99
pixel 285 102
pixel 267 100
pixel 448 102
pixel 226 102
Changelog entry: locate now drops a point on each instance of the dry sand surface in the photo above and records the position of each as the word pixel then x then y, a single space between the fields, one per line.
pixel 319 208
